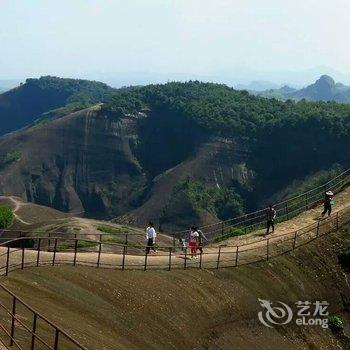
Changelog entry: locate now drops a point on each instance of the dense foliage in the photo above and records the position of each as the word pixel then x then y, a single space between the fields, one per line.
pixel 6 217
pixel 19 107
pixel 10 157
pixel 225 111
pixel 287 140
pixel 220 202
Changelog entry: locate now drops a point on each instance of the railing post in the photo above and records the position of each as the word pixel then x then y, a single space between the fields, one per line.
pixel 306 201
pixel 218 262
pixel 32 347
pixel 13 320
pixel 185 260
pixel 295 239
pixel 22 258
pixel 99 254
pixel 286 209
pixel 237 256
pixel 123 261
pixel 200 259
pixel 267 248
pixel 75 252
pixel 38 255
pixel 169 259
pixel 174 243
pixel 49 242
pixel 7 260
pixel 222 230
pixel 318 228
pixel 337 220
pixel 55 347
pixel 126 242
pixel 54 252
pixel 145 266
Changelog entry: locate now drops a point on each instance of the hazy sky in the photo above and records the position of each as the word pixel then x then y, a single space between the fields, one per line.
pixel 206 37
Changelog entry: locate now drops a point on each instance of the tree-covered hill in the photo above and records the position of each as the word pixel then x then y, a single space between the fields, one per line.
pixel 178 153
pixel 20 106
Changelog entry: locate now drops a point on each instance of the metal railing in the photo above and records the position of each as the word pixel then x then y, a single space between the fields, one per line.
pixel 285 210
pixel 22 327
pixel 132 256
pixel 40 333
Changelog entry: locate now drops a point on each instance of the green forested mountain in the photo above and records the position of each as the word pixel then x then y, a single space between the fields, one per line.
pixel 22 105
pixel 177 153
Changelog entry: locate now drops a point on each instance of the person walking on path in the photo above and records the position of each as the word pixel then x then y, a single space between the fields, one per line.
pixel 328 203
pixel 200 240
pixel 270 219
pixel 193 242
pixel 150 237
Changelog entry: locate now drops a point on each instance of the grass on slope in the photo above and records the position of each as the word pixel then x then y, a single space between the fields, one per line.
pixel 108 309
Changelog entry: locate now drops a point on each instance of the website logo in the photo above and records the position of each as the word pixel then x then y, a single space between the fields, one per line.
pixel 307 313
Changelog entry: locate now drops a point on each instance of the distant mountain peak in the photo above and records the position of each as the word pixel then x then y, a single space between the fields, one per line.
pixel 325 81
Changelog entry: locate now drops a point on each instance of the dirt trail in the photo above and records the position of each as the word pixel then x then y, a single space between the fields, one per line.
pixel 17 205
pixel 161 260
pixel 342 200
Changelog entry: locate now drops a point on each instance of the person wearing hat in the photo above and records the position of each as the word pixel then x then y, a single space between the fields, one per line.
pixel 270 219
pixel 328 203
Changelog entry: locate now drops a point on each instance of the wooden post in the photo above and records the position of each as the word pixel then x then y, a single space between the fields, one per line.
pixel 54 252
pixel 169 259
pixel 57 333
pixel 38 255
pixel 200 259
pixel 126 243
pixel 318 228
pixel 99 253
pixel 174 243
pixel 75 252
pixel 22 259
pixel 337 220
pixel 146 255
pixel 237 256
pixel 222 230
pixel 13 320
pixel 49 242
pixel 7 261
pixel 32 347
pixel 267 248
pixel 306 202
pixel 218 262
pixel 123 262
pixel 295 239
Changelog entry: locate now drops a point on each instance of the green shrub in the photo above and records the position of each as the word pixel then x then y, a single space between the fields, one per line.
pixel 232 232
pixel 6 217
pixel 109 229
pixel 335 323
pixel 10 157
pixel 80 245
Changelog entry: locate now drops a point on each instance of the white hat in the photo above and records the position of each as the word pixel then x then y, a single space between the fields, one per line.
pixel 329 193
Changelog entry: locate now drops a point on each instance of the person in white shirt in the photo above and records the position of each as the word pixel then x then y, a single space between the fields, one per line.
pixel 150 237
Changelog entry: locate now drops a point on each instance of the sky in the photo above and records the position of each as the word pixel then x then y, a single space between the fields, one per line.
pixel 242 40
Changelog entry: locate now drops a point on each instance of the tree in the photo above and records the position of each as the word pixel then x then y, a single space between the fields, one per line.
pixel 6 217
